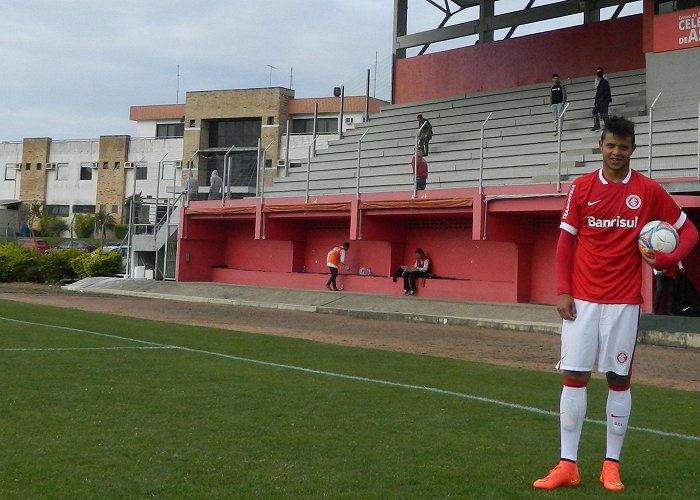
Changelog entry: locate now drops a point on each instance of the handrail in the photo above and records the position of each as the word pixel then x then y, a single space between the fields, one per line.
pixel 262 176
pixel 651 133
pixel 415 158
pixel 308 170
pixel 559 128
pixel 359 155
pixel 226 184
pixel 481 155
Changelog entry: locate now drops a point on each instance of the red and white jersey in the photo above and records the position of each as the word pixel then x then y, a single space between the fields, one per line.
pixel 607 217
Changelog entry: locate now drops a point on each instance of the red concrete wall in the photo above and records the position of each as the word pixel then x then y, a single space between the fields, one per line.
pixel 615 45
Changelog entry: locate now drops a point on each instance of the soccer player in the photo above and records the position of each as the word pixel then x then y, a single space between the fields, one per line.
pixel 599 282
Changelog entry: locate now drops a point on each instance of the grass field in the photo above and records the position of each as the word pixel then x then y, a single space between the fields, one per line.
pixel 98 406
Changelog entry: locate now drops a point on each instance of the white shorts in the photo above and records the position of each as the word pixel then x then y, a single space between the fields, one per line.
pixel 609 330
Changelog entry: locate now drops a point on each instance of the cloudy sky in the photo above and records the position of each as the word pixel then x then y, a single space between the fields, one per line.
pixel 73 67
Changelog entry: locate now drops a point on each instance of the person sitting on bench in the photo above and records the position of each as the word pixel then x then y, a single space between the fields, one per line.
pixel 419 270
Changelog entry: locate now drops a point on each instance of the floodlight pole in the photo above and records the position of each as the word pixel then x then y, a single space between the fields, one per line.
pixel 155 217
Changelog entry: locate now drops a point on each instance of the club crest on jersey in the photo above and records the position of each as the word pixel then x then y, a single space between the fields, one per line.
pixel 622 357
pixel 633 202
pixel 616 222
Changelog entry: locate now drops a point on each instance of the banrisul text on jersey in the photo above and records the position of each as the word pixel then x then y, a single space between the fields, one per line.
pixel 616 222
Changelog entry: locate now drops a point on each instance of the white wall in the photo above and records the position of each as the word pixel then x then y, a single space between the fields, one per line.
pixel 299 144
pixel 151 152
pixel 10 152
pixel 72 191
pixel 147 128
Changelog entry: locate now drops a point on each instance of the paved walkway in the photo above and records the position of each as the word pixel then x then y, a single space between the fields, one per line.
pixel 660 330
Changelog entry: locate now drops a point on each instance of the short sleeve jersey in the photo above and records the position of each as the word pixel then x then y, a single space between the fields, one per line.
pixel 607 217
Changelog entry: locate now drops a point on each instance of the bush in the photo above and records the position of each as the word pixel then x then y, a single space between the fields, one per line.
pixel 120 231
pixel 18 264
pixel 56 266
pixel 84 225
pixel 52 225
pixel 97 263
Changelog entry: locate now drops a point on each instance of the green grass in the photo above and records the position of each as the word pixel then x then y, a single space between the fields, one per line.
pixel 137 423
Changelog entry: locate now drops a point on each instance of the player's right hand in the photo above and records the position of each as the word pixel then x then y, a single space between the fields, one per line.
pixel 566 306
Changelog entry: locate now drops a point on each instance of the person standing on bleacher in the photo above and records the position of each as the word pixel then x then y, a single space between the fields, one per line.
pixel 558 98
pixel 421 172
pixel 425 134
pixel 603 98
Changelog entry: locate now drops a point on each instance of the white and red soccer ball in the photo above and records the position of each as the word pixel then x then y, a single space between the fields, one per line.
pixel 659 236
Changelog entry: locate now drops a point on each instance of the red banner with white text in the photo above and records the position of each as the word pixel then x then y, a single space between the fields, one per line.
pixel 678 30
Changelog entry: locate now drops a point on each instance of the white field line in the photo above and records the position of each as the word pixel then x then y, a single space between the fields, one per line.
pixel 357 378
pixel 115 348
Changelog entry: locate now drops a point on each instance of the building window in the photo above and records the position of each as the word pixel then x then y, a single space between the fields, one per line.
pixel 28 166
pixel 192 123
pixel 60 210
pixel 241 132
pixel 38 166
pixel 305 126
pixel 83 209
pixel 10 171
pixel 268 163
pixel 86 171
pixel 141 171
pixel 105 165
pixel 62 172
pixel 270 120
pixel 165 130
pixel 117 165
pixel 168 170
pixel 115 209
pixel 294 164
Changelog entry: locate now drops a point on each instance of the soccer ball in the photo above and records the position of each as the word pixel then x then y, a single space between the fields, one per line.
pixel 658 235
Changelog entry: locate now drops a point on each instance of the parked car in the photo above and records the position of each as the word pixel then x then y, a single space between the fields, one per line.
pixel 74 245
pixel 37 244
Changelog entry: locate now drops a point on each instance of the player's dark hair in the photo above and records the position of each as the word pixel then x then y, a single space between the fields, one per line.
pixel 555 76
pixel 619 126
pixel 420 251
pixel 346 245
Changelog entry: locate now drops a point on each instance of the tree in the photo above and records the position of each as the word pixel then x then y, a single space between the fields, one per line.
pixel 32 213
pixel 103 221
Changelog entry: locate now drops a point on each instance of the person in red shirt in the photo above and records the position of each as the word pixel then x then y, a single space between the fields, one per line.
pixel 422 172
pixel 419 270
pixel 599 282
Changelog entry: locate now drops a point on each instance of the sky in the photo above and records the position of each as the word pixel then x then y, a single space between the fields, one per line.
pixel 73 68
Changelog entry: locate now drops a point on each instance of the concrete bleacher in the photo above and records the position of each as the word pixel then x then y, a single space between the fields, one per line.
pixel 519 145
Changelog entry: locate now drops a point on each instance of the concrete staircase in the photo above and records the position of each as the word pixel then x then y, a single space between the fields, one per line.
pixel 519 145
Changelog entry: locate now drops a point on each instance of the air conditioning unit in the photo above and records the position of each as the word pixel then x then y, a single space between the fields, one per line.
pixel 129 164
pixel 280 163
pixel 178 164
pixel 51 166
pixel 95 164
pixel 18 166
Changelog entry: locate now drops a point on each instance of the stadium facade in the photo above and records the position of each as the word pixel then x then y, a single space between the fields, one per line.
pixel 489 216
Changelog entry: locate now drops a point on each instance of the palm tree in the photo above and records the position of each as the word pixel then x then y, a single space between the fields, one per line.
pixel 103 221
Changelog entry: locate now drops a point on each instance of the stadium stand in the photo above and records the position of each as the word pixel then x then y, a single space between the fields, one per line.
pixel 519 147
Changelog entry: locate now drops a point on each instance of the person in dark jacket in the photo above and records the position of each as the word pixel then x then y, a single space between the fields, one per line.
pixel 425 134
pixel 558 98
pixel 603 98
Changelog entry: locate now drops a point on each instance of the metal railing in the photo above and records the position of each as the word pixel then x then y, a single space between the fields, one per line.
pixel 359 157
pixel 481 155
pixel 651 133
pixel 560 120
